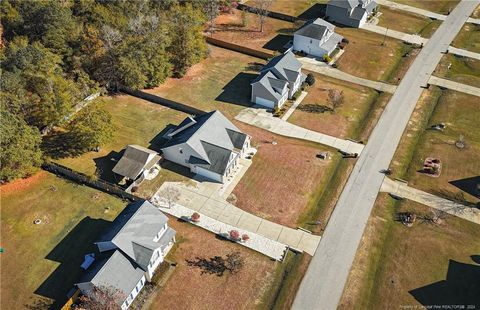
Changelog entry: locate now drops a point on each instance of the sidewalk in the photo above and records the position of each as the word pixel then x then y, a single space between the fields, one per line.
pixel 260 118
pixel 462 52
pixel 467 89
pixel 322 68
pixel 401 189
pixel 294 106
pixel 410 38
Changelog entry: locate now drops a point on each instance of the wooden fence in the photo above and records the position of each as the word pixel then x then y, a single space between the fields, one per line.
pixel 271 14
pixel 239 48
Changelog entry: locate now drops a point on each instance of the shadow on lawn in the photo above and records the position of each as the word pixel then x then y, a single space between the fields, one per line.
pixel 69 252
pixel 278 43
pixel 59 145
pixel 104 166
pixel 468 185
pixel 461 286
pixel 315 11
pixel 237 91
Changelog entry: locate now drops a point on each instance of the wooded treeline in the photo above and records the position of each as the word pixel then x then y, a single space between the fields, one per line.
pixel 56 52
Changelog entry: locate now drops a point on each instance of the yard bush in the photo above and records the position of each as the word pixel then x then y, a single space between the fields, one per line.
pixel 234 235
pixel 310 80
pixel 245 237
pixel 297 94
pixel 327 58
pixel 195 217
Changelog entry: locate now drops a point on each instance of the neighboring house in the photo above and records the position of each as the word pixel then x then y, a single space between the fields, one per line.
pixel 279 79
pixel 208 144
pixel 136 161
pixel 353 13
pixel 316 38
pixel 135 244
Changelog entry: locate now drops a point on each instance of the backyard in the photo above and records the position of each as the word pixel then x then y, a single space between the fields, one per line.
pixel 398 266
pixel 188 288
pixel 220 82
pixel 441 7
pixel 345 120
pixel 40 263
pixel 468 38
pixel 366 57
pixel 462 69
pixel 268 188
pixel 294 8
pixel 136 121
pixel 243 28
pixel 407 22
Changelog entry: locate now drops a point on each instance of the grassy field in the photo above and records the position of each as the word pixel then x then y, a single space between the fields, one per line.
pixel 345 120
pixel 220 82
pixel 284 178
pixel 468 38
pixel 136 121
pixel 41 262
pixel 395 264
pixel 243 28
pixel 437 6
pixel 293 8
pixel 188 288
pixel 407 22
pixel 366 57
pixel 463 69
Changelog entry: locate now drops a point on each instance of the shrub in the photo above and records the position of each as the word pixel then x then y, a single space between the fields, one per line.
pixel 310 80
pixel 234 235
pixel 345 40
pixel 245 237
pixel 327 58
pixel 297 94
pixel 195 217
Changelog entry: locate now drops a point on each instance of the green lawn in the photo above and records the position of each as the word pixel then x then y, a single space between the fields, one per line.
pixel 468 38
pixel 136 121
pixel 395 263
pixel 220 82
pixel 44 260
pixel 406 22
pixel 462 69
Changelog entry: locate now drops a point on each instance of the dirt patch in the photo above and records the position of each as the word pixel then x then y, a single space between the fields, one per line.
pixel 22 184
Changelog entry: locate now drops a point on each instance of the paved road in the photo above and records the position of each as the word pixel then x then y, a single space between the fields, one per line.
pixel 467 89
pixel 260 118
pixel 401 189
pixel 327 273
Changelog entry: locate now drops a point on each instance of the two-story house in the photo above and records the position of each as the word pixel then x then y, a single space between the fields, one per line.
pixel 135 244
pixel 208 144
pixel 317 37
pixel 278 81
pixel 353 13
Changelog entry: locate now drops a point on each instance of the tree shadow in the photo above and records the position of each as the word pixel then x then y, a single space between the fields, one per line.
pixel 468 185
pixel 238 90
pixel 60 145
pixel 69 252
pixel 278 43
pixel 461 287
pixel 318 10
pixel 314 108
pixel 104 166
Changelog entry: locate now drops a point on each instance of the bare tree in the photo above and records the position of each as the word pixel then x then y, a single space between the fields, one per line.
pixel 335 98
pixel 218 265
pixel 101 298
pixel 436 217
pixel 170 196
pixel 211 9
pixel 261 9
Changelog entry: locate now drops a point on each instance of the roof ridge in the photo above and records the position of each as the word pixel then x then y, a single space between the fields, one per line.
pixel 128 221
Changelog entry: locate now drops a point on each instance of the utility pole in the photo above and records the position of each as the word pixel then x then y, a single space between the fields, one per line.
pixel 384 37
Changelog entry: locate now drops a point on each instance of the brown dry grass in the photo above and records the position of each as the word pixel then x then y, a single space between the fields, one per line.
pixel 341 122
pixel 230 28
pixel 187 288
pixel 282 179
pixel 366 57
pixel 468 38
pixel 437 6
pixel 402 21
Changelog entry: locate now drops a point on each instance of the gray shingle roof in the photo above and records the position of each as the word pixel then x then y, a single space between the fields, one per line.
pixel 271 83
pixel 211 138
pixel 278 64
pixel 134 229
pixel 315 29
pixel 135 160
pixel 114 270
pixel 347 4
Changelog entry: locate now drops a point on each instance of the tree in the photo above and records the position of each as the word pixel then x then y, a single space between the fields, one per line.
pixel 310 80
pixel 20 152
pixel 188 44
pixel 335 98
pixel 211 8
pixel 91 128
pixel 261 9
pixel 170 196
pixel 101 298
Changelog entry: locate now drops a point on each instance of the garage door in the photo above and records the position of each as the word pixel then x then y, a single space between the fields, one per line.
pixel 264 102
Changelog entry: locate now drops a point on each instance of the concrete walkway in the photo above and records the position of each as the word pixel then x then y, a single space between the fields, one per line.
pixel 467 89
pixel 322 68
pixel 402 190
pixel 206 201
pixel 419 11
pixel 294 106
pixel 260 118
pixel 462 52
pixel 410 38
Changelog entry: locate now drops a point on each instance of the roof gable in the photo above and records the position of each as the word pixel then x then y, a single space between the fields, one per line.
pixel 135 159
pixel 278 64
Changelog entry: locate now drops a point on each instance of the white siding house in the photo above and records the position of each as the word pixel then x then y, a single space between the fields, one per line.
pixel 316 38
